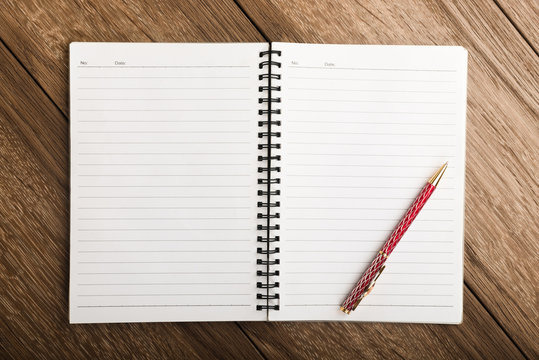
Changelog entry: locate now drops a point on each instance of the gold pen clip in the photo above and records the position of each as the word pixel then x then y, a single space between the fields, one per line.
pixel 369 288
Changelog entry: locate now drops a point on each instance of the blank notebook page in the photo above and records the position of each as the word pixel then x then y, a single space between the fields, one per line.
pixel 163 182
pixel 363 129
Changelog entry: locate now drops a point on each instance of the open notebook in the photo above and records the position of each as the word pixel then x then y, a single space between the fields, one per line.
pixel 179 152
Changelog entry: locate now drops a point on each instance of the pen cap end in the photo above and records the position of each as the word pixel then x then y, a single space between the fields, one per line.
pixel 346 311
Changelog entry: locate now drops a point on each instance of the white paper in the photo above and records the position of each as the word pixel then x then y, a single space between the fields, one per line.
pixel 163 182
pixel 363 128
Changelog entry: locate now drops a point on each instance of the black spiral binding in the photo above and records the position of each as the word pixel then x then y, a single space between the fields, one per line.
pixel 267 204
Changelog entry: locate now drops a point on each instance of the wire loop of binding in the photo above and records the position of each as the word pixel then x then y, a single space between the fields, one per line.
pixel 262 285
pixel 269 146
pixel 275 168
pixel 269 76
pixel 264 273
pixel 274 192
pixel 266 239
pixel 271 251
pixel 263 100
pixel 268 133
pixel 270 181
pixel 261 204
pixel 268 63
pixel 268 170
pixel 268 262
pixel 264 112
pixel 264 53
pixel 264 123
pixel 265 88
pixel 267 297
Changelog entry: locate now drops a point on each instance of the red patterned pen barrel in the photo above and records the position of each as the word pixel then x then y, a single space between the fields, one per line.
pixel 367 281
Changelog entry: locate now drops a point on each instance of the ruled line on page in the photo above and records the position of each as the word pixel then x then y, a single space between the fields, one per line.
pixel 378 305
pixel 359 219
pixel 165 186
pixel 355 176
pixel 160 164
pixel 163 77
pixel 163 132
pixel 373 294
pixel 365 251
pixel 373 90
pixel 368 68
pixel 353 283
pixel 157 305
pixel 371 79
pixel 358 208
pixel 167 197
pixel 163 218
pixel 183 251
pixel 373 241
pixel 366 230
pixel 164 207
pixel 162 66
pixel 358 122
pixel 355 272
pixel 359 187
pixel 374 155
pixel 161 240
pixel 368 144
pixel 164 175
pixel 163 88
pixel 365 262
pixel 165 262
pixel 369 133
pixel 163 153
pixel 372 112
pixel 163 142
pixel 376 101
pixel 164 283
pixel 158 251
pixel 359 197
pixel 164 110
pixel 161 229
pixel 150 294
pixel 166 273
pixel 164 121
pixel 163 99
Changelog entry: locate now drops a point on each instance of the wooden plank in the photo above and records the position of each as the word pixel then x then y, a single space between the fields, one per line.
pixel 477 338
pixel 34 249
pixel 501 186
pixel 39 35
pixel 525 15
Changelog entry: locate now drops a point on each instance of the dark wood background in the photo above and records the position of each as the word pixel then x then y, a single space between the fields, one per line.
pixel 501 226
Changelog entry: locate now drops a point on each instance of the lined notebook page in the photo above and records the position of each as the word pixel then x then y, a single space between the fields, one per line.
pixel 364 127
pixel 163 182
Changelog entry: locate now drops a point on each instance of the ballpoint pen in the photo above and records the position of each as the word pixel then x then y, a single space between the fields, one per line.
pixel 366 283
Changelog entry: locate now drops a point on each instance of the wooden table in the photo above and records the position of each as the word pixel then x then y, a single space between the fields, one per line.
pixel 501 231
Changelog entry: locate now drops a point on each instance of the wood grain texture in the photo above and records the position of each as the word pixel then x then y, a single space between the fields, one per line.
pixel 501 230
pixel 500 224
pixel 478 337
pixel 525 15
pixel 34 249
pixel 39 35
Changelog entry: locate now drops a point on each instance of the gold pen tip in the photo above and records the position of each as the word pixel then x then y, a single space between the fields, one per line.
pixel 435 179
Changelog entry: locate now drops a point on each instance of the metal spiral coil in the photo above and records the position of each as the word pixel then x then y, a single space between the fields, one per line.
pixel 269 167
